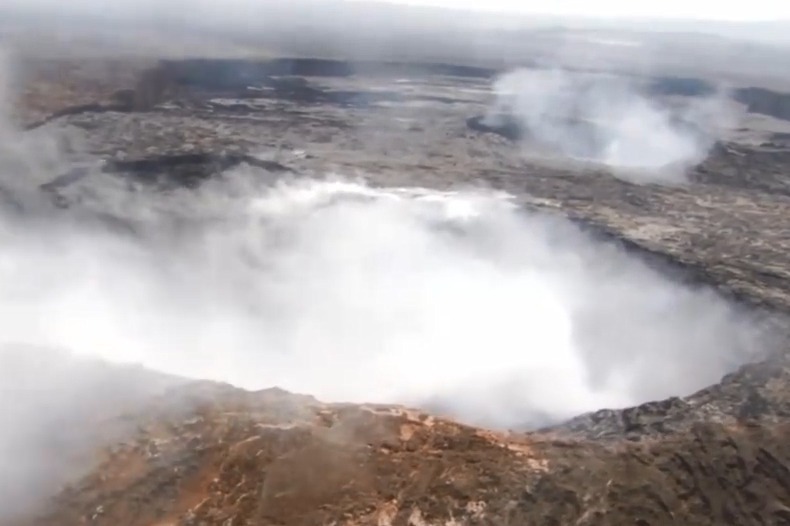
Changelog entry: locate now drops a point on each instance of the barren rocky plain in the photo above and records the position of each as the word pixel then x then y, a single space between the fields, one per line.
pixel 184 452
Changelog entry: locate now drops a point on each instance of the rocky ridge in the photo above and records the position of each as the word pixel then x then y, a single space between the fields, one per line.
pixel 275 458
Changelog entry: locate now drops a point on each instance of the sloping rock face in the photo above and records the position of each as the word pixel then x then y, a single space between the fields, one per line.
pixel 205 454
pixel 766 102
pixel 57 410
pixel 755 393
pixel 272 458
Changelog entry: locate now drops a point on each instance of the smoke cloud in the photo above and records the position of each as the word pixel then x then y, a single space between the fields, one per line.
pixel 351 293
pixel 608 119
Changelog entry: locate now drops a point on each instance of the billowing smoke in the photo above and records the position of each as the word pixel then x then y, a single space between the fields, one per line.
pixel 608 119
pixel 347 292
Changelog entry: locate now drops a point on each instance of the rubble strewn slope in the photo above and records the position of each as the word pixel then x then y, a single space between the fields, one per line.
pixel 273 458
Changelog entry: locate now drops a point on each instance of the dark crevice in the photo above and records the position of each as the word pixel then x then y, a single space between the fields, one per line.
pixel 166 171
pixel 79 110
pixel 222 73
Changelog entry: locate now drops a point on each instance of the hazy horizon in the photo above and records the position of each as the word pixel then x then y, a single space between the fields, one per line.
pixel 401 30
pixel 607 12
pixel 674 9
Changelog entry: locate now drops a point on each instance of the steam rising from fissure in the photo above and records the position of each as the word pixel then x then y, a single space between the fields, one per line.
pixel 609 119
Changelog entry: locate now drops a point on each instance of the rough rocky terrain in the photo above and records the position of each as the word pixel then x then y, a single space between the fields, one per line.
pixel 207 454
pixel 274 458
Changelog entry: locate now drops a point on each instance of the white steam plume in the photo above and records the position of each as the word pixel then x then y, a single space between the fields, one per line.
pixel 608 120
pixel 353 293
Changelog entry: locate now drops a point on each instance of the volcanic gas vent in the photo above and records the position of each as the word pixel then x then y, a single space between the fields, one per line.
pixel 455 300
pixel 656 130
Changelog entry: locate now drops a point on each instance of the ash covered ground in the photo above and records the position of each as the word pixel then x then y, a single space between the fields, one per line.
pixel 186 241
